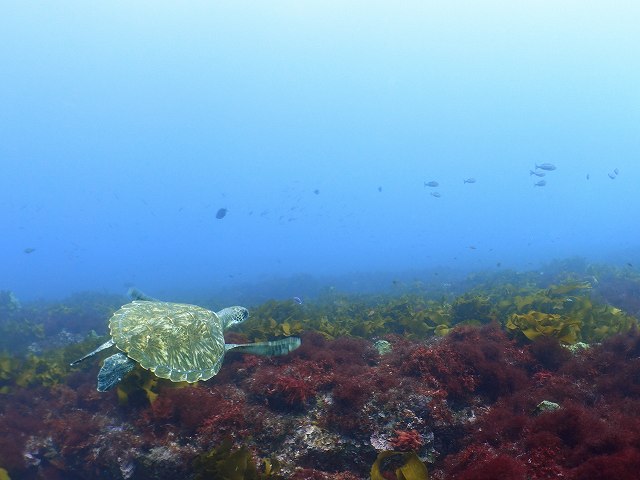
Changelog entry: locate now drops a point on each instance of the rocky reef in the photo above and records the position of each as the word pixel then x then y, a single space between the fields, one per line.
pixel 481 384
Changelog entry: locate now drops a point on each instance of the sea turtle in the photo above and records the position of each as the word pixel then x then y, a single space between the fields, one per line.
pixel 181 342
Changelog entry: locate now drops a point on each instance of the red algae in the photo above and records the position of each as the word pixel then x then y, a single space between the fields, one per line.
pixel 467 402
pixel 407 440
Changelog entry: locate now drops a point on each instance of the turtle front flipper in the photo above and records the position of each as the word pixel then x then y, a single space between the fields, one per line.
pixel 113 370
pixel 275 348
pixel 105 345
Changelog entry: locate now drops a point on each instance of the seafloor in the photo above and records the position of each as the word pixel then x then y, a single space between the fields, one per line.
pixel 501 376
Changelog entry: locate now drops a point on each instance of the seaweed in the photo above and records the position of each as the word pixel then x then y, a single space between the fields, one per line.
pixel 225 463
pixel 536 324
pixel 404 466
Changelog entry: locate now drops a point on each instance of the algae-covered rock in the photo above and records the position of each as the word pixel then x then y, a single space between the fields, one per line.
pixel 546 406
pixel 382 346
pixel 577 347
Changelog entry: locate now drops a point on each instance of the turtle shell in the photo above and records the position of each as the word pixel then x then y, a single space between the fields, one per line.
pixel 177 341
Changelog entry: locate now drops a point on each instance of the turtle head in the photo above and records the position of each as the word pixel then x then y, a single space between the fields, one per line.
pixel 232 315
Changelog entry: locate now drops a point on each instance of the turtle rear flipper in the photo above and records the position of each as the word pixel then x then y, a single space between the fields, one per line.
pixel 134 294
pixel 275 348
pixel 105 345
pixel 113 370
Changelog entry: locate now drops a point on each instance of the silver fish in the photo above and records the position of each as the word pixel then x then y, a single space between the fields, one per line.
pixel 469 180
pixel 541 183
pixel 436 194
pixel 616 171
pixel 537 174
pixel 432 183
pixel 546 166
pixel 611 176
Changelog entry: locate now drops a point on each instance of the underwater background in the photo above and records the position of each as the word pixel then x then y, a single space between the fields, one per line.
pixel 439 198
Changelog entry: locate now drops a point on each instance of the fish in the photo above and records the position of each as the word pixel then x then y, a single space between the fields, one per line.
pixel 436 194
pixel 432 183
pixel 546 166
pixel 541 183
pixel 221 213
pixel 316 191
pixel 537 174
pixel 588 176
pixel 298 300
pixel 611 176
pixel 29 250
pixel 616 171
pixel 379 189
pixel 469 180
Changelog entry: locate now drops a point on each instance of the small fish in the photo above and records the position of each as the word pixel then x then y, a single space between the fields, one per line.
pixel 616 171
pixel 221 213
pixel 436 194
pixel 379 189
pixel 588 177
pixel 469 180
pixel 629 264
pixel 546 166
pixel 432 183
pixel 316 191
pixel 611 176
pixel 29 250
pixel 537 174
pixel 541 183
pixel 298 300
pixel 472 247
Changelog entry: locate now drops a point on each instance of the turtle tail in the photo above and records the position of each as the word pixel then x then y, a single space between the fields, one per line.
pixel 274 348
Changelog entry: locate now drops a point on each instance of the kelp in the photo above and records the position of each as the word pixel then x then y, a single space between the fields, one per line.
pixel 139 387
pixel 225 463
pixel 565 312
pixel 31 370
pixel 472 309
pixel 411 316
pixel 604 321
pixel 536 324
pixel 405 466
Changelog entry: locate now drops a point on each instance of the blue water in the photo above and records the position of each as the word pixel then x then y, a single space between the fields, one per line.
pixel 124 127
